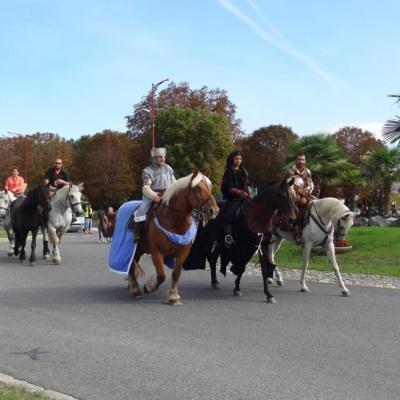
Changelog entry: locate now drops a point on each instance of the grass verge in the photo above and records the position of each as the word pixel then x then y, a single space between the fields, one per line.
pixel 376 251
pixel 8 392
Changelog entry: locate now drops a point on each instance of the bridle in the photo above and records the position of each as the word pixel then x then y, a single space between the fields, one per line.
pixel 70 201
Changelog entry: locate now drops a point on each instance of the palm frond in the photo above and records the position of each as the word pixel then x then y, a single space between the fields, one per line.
pixel 391 130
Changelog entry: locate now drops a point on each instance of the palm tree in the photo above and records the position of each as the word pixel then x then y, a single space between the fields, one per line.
pixel 324 158
pixel 382 168
pixel 391 129
pixel 351 180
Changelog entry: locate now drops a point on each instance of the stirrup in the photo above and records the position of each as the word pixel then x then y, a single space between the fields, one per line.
pixel 229 241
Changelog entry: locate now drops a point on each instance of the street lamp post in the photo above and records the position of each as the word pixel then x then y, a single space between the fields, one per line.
pixel 153 110
pixel 26 160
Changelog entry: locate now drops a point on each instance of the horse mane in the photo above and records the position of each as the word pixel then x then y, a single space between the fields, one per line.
pixel 182 184
pixel 329 204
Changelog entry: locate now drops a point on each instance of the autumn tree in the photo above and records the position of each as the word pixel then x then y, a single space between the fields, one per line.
pixel 263 152
pixel 181 95
pixel 355 143
pixel 194 137
pixel 104 163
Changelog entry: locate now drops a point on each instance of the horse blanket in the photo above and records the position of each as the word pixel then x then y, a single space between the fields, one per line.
pixel 123 245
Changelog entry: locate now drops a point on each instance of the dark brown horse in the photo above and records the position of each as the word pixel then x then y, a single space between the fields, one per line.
pixel 174 215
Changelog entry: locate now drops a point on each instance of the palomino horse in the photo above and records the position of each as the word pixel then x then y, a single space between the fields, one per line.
pixel 323 216
pixel 65 201
pixel 28 215
pixel 173 215
pixel 254 217
pixel 6 199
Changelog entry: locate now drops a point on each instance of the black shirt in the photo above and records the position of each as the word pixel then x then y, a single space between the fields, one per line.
pixel 52 176
pixel 236 179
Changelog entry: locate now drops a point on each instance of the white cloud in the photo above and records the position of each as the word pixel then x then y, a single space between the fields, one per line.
pixel 274 37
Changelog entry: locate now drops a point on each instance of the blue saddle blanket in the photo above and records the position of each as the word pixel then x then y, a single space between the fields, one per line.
pixel 123 244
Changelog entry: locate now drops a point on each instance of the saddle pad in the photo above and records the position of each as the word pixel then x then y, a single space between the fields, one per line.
pixel 123 245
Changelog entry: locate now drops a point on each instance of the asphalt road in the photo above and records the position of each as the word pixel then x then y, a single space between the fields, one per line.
pixel 75 329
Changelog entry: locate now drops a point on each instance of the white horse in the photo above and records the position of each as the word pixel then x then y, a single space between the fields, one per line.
pixel 6 199
pixel 324 216
pixel 65 201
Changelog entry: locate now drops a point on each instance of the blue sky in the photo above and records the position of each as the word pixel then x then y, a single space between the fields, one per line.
pixel 77 67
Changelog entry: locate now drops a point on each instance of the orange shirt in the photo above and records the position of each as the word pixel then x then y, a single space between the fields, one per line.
pixel 15 184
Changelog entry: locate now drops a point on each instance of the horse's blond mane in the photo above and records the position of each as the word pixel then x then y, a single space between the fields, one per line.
pixel 184 183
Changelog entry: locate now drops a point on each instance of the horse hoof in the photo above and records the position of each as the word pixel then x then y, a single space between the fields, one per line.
pixel 10 254
pixel 270 281
pixel 56 262
pixel 279 283
pixel 175 302
pixel 215 285
pixel 237 293
pixel 346 294
pixel 271 300
pixel 46 256
pixel 145 289
pixel 304 290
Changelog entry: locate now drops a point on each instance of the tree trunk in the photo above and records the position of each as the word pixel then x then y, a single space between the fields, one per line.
pixel 387 188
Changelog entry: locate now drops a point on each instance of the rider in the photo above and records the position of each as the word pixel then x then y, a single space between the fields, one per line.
pixel 303 186
pixel 156 177
pixel 235 189
pixel 15 183
pixel 56 177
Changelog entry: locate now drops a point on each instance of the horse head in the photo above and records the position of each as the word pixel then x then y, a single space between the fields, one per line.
pixel 200 196
pixel 286 198
pixel 44 198
pixel 344 223
pixel 4 204
pixel 74 198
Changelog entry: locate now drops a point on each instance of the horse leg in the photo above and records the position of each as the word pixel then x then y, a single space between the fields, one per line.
pixel 330 252
pixel 155 281
pixel 11 240
pixel 306 256
pixel 267 269
pixel 212 261
pixel 22 256
pixel 174 297
pixel 53 236
pixel 133 285
pixel 46 250
pixel 236 290
pixel 32 258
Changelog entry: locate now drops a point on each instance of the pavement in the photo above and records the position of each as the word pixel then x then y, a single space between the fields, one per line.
pixel 74 329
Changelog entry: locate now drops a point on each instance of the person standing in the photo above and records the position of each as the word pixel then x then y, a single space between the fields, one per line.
pixel 15 183
pixel 88 215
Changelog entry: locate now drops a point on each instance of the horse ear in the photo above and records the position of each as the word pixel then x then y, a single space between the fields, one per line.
pixel 348 214
pixel 207 173
pixel 195 172
pixel 80 187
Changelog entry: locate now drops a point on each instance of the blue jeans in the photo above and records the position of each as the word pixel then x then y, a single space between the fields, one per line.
pixel 88 224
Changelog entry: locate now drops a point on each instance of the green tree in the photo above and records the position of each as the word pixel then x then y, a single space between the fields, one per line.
pixel 382 168
pixel 263 152
pixel 181 95
pixel 324 158
pixel 194 137
pixel 391 129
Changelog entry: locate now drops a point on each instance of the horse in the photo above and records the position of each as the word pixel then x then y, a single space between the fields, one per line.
pixel 64 202
pixel 28 215
pixel 172 219
pixel 106 225
pixel 253 217
pixel 6 199
pixel 326 218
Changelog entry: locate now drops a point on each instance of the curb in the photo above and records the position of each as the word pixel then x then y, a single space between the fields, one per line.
pixel 51 394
